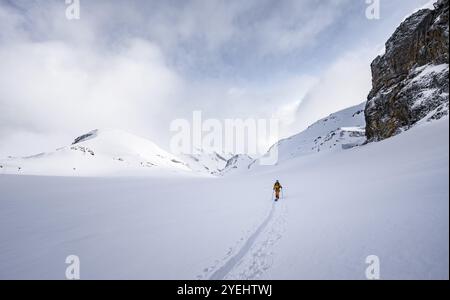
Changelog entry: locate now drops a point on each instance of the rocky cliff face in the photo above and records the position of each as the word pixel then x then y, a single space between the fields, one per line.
pixel 410 81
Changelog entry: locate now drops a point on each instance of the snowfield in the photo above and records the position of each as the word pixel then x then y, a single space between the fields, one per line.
pixel 388 199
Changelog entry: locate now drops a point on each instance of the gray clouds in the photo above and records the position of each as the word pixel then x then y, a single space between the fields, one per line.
pixel 136 65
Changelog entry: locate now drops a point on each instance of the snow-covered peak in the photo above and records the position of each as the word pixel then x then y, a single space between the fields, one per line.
pixel 99 152
pixel 120 144
pixel 206 162
pixel 341 130
pixel 238 163
pixel 87 136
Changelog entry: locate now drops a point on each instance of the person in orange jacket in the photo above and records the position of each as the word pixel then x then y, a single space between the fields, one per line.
pixel 277 188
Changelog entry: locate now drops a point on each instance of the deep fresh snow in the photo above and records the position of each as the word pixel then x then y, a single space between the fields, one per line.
pixel 388 199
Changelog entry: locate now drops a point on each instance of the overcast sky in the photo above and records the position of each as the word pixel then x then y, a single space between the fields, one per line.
pixel 138 64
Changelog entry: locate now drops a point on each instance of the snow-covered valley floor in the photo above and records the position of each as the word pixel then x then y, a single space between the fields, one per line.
pixel 388 199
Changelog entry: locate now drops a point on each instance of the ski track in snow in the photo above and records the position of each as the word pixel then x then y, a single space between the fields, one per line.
pixel 254 257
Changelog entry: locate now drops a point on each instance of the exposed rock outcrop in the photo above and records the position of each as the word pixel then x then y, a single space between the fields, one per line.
pixel 410 81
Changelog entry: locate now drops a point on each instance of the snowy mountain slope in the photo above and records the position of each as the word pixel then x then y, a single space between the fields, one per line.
pixel 206 162
pixel 236 164
pixel 341 130
pixel 388 199
pixel 100 152
pixel 114 152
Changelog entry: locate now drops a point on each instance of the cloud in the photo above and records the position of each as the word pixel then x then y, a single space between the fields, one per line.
pixel 55 87
pixel 52 79
pixel 137 65
pixel 306 21
pixel 345 83
pixel 273 99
